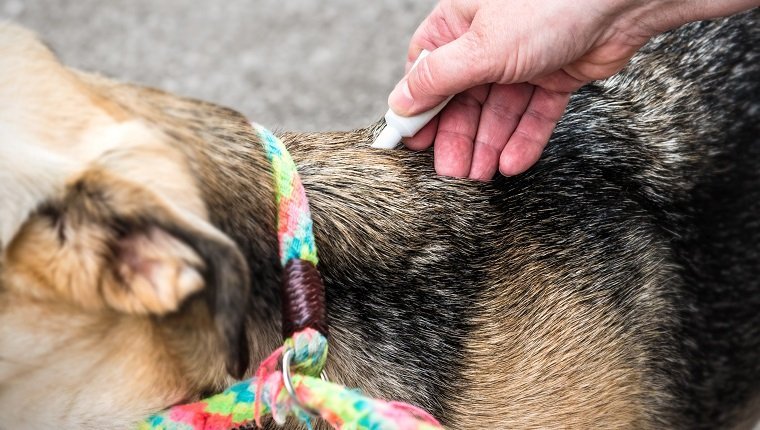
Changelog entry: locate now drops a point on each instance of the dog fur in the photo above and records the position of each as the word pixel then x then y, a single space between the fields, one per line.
pixel 614 285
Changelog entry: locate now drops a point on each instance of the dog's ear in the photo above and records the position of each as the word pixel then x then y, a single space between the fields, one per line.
pixel 113 244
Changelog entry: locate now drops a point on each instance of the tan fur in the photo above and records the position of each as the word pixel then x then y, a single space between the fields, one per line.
pixel 61 365
pixel 571 365
pixel 564 369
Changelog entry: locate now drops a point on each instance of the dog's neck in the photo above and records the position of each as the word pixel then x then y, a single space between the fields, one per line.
pixel 346 195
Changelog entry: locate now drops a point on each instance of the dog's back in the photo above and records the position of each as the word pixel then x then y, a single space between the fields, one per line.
pixel 714 220
pixel 670 149
pixel 661 165
pixel 696 170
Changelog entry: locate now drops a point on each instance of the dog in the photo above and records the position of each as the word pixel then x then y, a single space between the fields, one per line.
pixel 616 284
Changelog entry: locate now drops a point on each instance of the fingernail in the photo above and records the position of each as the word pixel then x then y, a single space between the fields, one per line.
pixel 484 164
pixel 505 167
pixel 401 100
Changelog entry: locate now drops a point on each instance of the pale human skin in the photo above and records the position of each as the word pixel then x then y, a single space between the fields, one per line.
pixel 513 65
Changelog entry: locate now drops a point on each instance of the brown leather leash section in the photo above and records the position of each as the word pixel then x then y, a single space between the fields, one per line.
pixel 303 299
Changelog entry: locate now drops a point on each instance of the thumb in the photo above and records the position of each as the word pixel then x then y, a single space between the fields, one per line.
pixel 448 70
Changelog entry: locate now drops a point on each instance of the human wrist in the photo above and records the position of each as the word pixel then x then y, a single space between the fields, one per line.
pixel 662 15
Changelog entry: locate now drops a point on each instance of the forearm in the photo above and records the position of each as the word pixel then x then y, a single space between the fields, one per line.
pixel 715 9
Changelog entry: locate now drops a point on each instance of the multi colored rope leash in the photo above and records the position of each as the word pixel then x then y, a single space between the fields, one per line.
pixel 303 394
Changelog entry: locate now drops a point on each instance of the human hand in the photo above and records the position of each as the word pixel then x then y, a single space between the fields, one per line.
pixel 513 65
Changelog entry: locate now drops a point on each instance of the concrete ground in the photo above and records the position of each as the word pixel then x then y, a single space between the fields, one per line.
pixel 288 64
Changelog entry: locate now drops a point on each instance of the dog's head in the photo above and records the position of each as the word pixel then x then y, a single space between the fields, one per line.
pixel 117 294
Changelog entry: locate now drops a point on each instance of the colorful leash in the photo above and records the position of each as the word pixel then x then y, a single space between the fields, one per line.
pixel 303 394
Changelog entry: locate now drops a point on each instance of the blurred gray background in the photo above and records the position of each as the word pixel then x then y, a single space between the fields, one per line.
pixel 287 64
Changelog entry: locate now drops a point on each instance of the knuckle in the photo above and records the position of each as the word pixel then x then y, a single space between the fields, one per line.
pixel 454 135
pixel 528 139
pixel 486 51
pixel 426 80
pixel 478 61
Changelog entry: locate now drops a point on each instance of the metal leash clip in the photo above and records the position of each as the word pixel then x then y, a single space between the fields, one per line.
pixel 287 358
